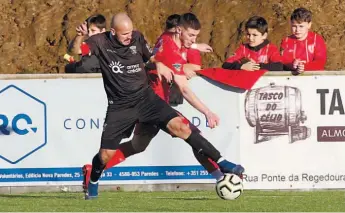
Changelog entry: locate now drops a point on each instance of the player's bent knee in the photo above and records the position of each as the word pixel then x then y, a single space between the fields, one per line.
pixel 106 155
pixel 179 127
pixel 185 130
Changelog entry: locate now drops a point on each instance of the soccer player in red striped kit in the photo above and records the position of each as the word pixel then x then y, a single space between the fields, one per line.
pixel 304 50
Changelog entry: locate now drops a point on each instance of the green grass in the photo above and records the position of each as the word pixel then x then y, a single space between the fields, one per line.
pixel 277 201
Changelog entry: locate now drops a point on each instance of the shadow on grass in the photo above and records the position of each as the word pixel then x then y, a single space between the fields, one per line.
pixel 62 196
pixel 187 198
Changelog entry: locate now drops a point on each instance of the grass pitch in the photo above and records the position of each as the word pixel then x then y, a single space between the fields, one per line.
pixel 199 201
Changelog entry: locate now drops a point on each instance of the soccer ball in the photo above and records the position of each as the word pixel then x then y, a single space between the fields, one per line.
pixel 229 187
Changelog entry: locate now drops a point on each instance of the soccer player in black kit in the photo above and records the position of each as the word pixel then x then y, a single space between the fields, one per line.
pixel 122 53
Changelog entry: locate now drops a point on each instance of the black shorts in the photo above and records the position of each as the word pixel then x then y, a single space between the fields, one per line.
pixel 149 130
pixel 119 122
pixel 145 132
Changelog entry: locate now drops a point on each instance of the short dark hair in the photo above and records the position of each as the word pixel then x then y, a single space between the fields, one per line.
pixel 98 20
pixel 301 15
pixel 172 21
pixel 258 23
pixel 189 20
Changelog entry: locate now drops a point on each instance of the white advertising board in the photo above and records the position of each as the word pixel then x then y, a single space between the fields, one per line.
pixel 288 132
pixel 293 133
pixel 49 128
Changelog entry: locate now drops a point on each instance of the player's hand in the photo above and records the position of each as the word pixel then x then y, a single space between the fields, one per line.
pixel 203 48
pixel 250 66
pixel 297 62
pixel 164 71
pixel 189 73
pixel 212 119
pixel 298 65
pixel 82 29
pixel 300 68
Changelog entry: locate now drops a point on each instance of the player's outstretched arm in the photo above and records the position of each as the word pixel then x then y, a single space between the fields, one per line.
pixel 202 47
pixel 190 70
pixel 74 46
pixel 188 94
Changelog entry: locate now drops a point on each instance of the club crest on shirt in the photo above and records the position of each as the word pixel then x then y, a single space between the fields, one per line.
pixel 177 67
pixel 311 48
pixel 133 49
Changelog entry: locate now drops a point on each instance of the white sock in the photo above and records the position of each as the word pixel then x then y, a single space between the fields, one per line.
pixel 93 182
pixel 220 159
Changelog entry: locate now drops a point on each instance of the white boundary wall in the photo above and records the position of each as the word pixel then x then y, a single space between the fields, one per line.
pixel 51 125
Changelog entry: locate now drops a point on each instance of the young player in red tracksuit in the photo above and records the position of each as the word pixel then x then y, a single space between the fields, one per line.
pixel 303 50
pixel 258 53
pixel 174 57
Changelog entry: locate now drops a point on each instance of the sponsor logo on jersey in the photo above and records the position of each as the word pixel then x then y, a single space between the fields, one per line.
pixel 116 67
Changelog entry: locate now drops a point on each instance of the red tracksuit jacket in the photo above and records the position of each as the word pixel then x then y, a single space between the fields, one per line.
pixel 312 50
pixel 265 54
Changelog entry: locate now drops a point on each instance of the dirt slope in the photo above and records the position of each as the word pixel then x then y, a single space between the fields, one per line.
pixel 34 33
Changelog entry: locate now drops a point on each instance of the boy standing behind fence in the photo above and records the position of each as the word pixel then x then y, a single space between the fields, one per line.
pixel 303 50
pixel 258 53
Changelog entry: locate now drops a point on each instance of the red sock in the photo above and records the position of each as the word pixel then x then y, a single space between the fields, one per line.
pixel 116 159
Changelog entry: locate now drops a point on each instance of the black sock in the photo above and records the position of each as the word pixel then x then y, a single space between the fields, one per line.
pixel 203 146
pixel 97 168
pixel 205 162
pixel 127 149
